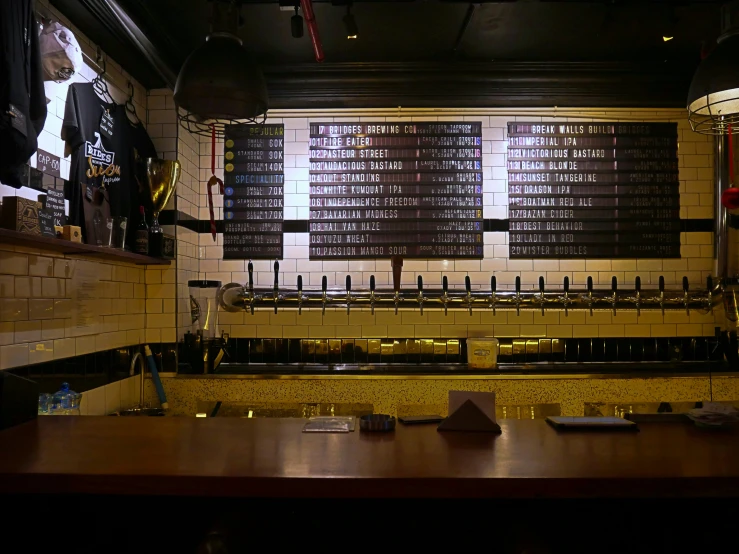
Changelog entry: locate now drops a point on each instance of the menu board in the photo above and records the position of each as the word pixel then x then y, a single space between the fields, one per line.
pixel 396 189
pixel 593 190
pixel 254 182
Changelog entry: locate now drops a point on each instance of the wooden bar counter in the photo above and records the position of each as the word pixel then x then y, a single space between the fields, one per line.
pixel 271 458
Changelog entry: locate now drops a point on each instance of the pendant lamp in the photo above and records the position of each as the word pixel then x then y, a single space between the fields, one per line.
pixel 713 97
pixel 219 84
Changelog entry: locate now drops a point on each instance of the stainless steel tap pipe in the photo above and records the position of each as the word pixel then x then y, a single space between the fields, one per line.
pixel 234 297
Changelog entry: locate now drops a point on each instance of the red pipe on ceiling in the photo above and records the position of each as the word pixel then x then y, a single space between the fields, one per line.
pixel 310 19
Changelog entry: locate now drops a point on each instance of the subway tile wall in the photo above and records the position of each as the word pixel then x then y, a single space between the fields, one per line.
pixel 695 154
pixel 174 142
pixel 112 397
pixel 135 304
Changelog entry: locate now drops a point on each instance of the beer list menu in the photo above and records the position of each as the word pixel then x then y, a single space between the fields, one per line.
pixel 593 190
pixel 385 189
pixel 254 181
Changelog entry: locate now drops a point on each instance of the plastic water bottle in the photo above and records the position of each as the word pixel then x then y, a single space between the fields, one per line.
pixel 65 401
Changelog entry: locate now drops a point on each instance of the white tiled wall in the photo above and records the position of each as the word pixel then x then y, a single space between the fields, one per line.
pixel 696 202
pixel 174 142
pixel 110 398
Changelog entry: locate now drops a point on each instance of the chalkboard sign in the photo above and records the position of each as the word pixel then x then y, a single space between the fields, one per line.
pixel 254 182
pixel 53 201
pixel 593 190
pixel 385 189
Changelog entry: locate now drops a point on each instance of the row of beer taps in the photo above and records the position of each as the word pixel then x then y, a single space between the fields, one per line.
pixel 235 297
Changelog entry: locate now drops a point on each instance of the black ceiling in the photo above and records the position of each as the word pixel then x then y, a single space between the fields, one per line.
pixel 425 34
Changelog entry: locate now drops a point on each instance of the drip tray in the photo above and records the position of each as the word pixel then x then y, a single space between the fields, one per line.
pixel 607 368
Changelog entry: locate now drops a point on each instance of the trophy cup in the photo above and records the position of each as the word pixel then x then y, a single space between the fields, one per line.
pixel 157 188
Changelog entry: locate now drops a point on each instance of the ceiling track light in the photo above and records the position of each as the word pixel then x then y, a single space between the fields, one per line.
pixel 352 31
pixel 296 24
pixel 713 97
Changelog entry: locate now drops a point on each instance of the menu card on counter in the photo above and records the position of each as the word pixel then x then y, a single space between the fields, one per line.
pixel 396 189
pixel 593 190
pixel 254 182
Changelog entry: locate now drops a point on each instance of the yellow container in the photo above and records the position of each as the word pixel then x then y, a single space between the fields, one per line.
pixel 482 353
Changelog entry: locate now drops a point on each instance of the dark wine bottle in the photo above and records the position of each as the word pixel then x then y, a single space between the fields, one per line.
pixel 142 234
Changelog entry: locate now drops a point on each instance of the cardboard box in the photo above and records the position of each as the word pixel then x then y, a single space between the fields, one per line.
pixel 72 232
pixel 20 214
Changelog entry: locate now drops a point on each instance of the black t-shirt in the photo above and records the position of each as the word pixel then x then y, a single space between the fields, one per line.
pixel 141 147
pixel 21 89
pixel 102 175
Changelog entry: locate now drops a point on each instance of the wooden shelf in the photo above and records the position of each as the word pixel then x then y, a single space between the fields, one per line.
pixel 68 247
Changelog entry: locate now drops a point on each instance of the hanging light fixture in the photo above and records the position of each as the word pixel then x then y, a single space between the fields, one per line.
pixel 352 31
pixel 219 84
pixel 713 97
pixel 296 24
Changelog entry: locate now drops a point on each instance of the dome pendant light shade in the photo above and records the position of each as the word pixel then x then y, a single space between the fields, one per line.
pixel 713 97
pixel 219 84
pixel 219 81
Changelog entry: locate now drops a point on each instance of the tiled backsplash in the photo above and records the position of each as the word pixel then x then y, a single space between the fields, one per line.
pixel 695 154
pixel 41 318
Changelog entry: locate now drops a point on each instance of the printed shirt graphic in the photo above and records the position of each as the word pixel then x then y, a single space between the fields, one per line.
pixel 97 162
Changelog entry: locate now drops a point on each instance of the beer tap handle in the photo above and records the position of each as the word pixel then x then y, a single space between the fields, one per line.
pixel 324 288
pixel 614 289
pixel 420 284
pixel 445 289
pixel 566 299
pixel 709 287
pixel 518 295
pixel 662 293
pixel 251 287
pixel 541 293
pixel 348 292
pixel 637 291
pixel 468 287
pixel 590 294
pixel 300 294
pixel 372 294
pixel 686 289
pixel 420 293
pixel 277 284
pixel 493 289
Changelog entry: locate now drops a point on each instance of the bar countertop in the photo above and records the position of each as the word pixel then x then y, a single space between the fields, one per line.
pixel 233 457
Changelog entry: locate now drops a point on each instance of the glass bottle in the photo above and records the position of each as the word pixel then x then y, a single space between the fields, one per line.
pixel 156 237
pixel 142 234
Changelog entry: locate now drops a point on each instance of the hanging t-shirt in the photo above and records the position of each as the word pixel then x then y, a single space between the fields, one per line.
pixel 100 173
pixel 141 147
pixel 22 99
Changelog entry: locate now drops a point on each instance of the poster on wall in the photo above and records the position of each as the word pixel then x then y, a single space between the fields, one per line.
pixel 406 189
pixel 593 190
pixel 254 183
